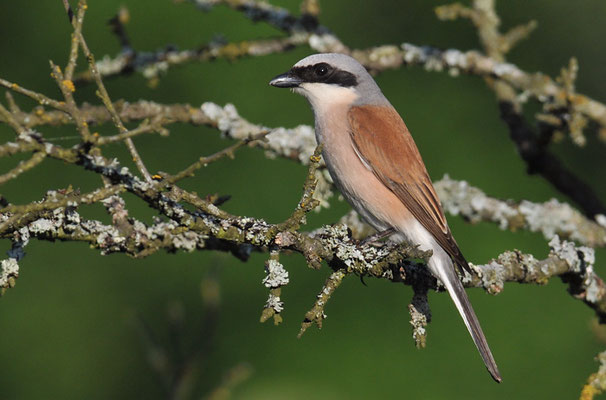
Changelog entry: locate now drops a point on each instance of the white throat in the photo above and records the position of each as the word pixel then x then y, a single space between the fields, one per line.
pixel 323 96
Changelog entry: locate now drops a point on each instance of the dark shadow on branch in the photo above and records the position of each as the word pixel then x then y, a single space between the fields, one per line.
pixel 540 161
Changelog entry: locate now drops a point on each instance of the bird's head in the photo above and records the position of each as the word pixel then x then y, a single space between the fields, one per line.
pixel 331 78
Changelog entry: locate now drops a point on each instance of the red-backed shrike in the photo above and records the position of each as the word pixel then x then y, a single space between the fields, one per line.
pixel 376 165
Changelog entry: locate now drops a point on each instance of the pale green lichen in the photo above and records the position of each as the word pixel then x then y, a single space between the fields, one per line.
pixel 548 218
pixel 10 269
pixel 187 241
pixel 275 303
pixel 276 275
pixel 418 321
pixel 575 257
pixel 493 277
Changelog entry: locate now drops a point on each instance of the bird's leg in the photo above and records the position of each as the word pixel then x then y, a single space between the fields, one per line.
pixel 378 236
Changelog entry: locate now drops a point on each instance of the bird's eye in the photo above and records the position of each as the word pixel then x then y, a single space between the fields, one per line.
pixel 321 69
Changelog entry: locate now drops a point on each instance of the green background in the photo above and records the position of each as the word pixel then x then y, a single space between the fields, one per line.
pixel 66 331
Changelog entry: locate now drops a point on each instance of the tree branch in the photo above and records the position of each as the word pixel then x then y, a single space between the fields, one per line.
pixel 540 161
pixel 538 86
pixel 532 150
pixel 549 218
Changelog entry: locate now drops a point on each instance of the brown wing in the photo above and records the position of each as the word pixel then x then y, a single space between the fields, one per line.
pixel 383 141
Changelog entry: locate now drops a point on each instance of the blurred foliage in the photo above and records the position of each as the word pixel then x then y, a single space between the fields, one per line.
pixel 64 326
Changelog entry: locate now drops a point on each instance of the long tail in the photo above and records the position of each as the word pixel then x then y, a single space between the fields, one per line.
pixel 444 269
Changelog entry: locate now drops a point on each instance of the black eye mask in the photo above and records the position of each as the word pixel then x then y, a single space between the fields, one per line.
pixel 324 73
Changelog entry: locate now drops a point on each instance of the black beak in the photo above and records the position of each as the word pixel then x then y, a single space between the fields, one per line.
pixel 286 80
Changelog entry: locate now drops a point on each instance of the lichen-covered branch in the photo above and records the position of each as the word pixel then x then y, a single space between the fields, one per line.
pixel 549 218
pixel 380 58
pixel 420 316
pixel 153 64
pixel 305 29
pixel 457 197
pixel 276 277
pixel 560 112
pixel 9 267
pixel 299 143
pixel 104 95
pixel 295 143
pixel 573 264
pixel 277 17
pixel 541 161
pixel 504 78
pixel 316 314
pixel 190 231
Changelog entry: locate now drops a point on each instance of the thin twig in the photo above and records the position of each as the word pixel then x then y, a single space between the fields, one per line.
pixel 204 161
pixel 104 95
pixel 307 202
pixel 22 167
pixel 145 127
pixel 316 314
pixel 12 105
pixel 73 53
pixel 11 120
pixel 67 89
pixel 203 205
pixel 39 97
pixel 68 10
pixel 73 199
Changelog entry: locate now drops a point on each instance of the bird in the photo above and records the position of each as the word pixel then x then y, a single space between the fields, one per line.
pixel 375 164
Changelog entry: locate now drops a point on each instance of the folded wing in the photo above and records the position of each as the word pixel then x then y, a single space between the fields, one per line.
pixel 382 139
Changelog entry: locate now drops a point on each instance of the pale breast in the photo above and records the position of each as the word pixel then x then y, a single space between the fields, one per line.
pixel 358 184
